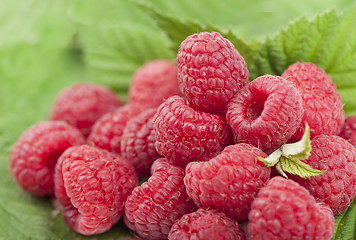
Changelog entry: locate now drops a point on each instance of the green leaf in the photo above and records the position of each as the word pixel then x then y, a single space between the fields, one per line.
pixel 345 224
pixel 178 30
pixel 328 40
pixel 298 168
pixel 301 149
pixel 272 159
pixel 115 50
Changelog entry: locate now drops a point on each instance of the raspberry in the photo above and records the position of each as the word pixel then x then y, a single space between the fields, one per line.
pixel 153 207
pixel 154 82
pixel 35 154
pixel 348 130
pixel 210 71
pixel 266 113
pixel 92 185
pixel 107 131
pixel 138 142
pixel 285 210
pixel 184 134
pixel 205 225
pixel 82 104
pixel 228 182
pixel 337 186
pixel 323 110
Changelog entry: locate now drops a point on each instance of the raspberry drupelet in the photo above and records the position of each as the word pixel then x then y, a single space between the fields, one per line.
pixel 82 104
pixel 35 154
pixel 92 185
pixel 348 130
pixel 228 182
pixel 285 210
pixel 266 113
pixel 157 204
pixel 184 134
pixel 210 71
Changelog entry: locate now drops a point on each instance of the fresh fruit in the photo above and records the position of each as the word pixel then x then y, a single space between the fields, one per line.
pixel 157 204
pixel 348 130
pixel 82 104
pixel 266 113
pixel 285 210
pixel 205 225
pixel 152 83
pixel 323 109
pixel 337 186
pixel 138 142
pixel 92 185
pixel 228 182
pixel 108 129
pixel 34 155
pixel 210 71
pixel 184 134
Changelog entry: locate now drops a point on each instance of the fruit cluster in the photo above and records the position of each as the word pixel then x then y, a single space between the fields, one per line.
pixel 212 144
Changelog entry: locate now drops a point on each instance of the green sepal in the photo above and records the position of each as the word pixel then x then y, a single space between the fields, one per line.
pixel 299 168
pixel 272 159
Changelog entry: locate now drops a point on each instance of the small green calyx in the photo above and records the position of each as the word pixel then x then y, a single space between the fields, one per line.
pixel 288 158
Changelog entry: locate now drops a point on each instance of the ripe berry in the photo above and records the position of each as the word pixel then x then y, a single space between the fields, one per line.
pixel 348 130
pixel 210 71
pixel 205 225
pixel 285 210
pixel 337 186
pixel 82 104
pixel 157 204
pixel 323 109
pixel 92 185
pixel 266 113
pixel 184 134
pixel 107 131
pixel 138 142
pixel 35 154
pixel 152 83
pixel 228 182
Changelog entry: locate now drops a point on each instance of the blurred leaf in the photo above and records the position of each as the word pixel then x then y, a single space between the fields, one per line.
pixel 345 224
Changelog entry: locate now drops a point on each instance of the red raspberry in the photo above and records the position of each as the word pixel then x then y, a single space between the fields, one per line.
pixel 210 71
pixel 154 207
pixel 323 110
pixel 348 130
pixel 285 210
pixel 107 131
pixel 138 142
pixel 92 185
pixel 184 134
pixel 266 113
pixel 206 225
pixel 153 83
pixel 82 104
pixel 228 182
pixel 337 186
pixel 34 155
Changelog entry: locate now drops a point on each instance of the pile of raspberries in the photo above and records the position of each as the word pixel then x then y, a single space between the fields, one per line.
pixel 196 130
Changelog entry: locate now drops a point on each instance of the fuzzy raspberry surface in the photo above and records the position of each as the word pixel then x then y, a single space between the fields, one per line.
pixel 337 186
pixel 108 129
pixel 92 185
pixel 206 225
pixel 152 83
pixel 157 204
pixel 82 104
pixel 285 210
pixel 323 109
pixel 228 182
pixel 35 153
pixel 184 134
pixel 138 142
pixel 266 113
pixel 210 71
pixel 348 130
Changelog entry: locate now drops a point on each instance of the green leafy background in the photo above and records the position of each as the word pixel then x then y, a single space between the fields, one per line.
pixel 46 45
